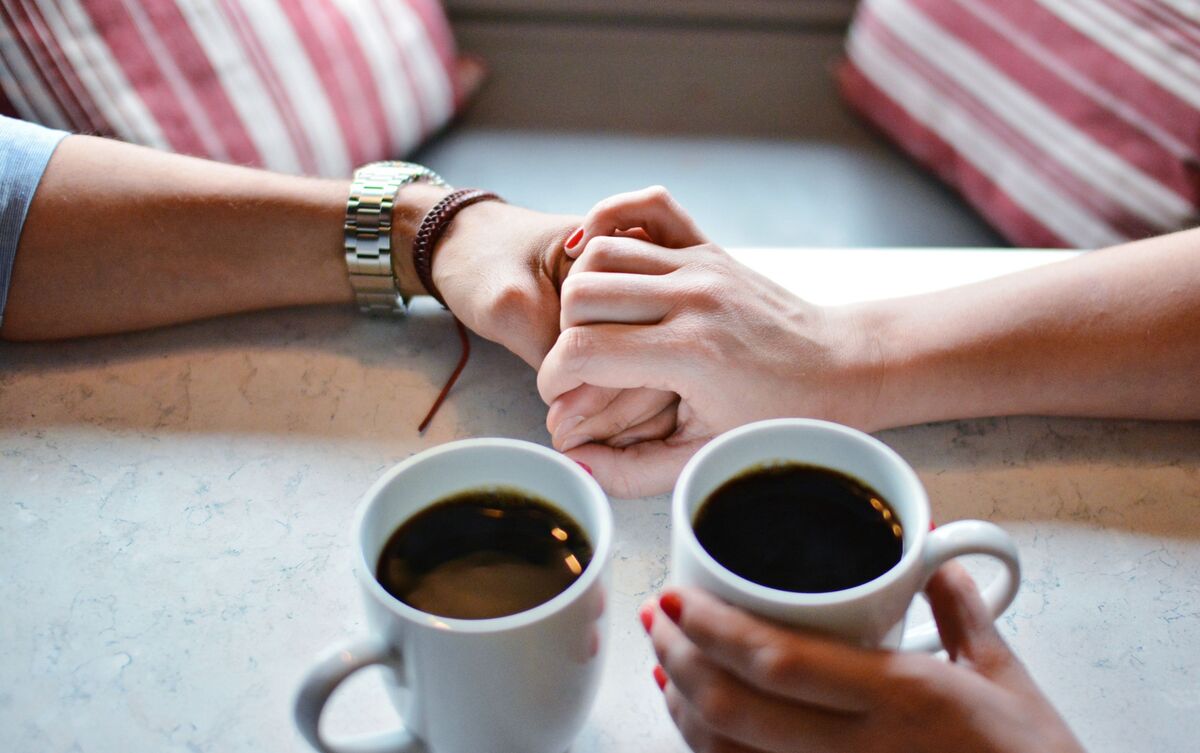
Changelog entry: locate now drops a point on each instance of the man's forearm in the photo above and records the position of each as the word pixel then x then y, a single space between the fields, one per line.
pixel 120 237
pixel 1113 333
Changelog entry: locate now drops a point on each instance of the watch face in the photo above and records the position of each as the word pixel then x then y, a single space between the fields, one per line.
pixel 395 172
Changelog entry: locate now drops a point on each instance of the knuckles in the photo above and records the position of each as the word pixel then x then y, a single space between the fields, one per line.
pixel 577 291
pixel 574 348
pixel 618 204
pixel 658 194
pixel 719 705
pixel 601 252
pixel 773 666
pixel 510 304
pixel 706 293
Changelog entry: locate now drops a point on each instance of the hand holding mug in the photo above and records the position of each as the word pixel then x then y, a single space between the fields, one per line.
pixel 778 634
pixel 739 684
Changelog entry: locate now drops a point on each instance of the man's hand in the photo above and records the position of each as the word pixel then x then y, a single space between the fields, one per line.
pixel 500 268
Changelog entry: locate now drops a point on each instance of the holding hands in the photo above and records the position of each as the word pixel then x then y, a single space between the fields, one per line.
pixel 688 344
pixel 667 341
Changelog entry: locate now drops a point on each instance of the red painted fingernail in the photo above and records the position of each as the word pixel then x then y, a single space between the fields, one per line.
pixel 671 606
pixel 932 525
pixel 660 677
pixel 585 467
pixel 574 240
pixel 647 616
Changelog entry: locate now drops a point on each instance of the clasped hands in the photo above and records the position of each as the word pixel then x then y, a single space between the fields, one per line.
pixel 667 341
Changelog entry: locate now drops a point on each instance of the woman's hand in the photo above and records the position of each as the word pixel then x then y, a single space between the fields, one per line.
pixel 737 684
pixel 734 347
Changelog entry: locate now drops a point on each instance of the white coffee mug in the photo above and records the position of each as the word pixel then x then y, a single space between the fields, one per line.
pixel 524 682
pixel 870 614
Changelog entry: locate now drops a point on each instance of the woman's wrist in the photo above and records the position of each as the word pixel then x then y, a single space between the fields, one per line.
pixel 860 383
pixel 912 364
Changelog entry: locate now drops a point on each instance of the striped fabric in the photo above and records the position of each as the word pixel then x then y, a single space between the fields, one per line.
pixel 1070 123
pixel 299 86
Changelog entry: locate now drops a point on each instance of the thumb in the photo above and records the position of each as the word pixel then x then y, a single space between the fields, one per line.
pixel 964 622
pixel 640 470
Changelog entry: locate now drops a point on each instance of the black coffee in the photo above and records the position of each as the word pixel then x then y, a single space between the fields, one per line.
pixel 800 528
pixel 481 554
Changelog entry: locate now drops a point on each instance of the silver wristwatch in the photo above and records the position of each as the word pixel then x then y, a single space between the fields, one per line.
pixel 368 236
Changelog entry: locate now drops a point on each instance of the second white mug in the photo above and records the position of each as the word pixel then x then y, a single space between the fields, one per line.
pixel 870 614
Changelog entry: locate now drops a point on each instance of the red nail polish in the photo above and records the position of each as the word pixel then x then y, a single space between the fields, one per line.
pixel 660 677
pixel 647 616
pixel 586 467
pixel 932 525
pixel 671 605
pixel 574 241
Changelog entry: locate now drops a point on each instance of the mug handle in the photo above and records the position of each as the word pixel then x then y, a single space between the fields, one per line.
pixel 330 671
pixel 954 540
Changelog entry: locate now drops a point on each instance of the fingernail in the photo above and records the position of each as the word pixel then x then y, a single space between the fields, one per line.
pixel 671 605
pixel 660 677
pixel 932 525
pixel 574 240
pixel 564 426
pixel 585 467
pixel 621 444
pixel 571 443
pixel 647 616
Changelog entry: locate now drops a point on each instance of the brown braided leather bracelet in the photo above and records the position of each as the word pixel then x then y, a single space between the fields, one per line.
pixel 433 227
pixel 429 232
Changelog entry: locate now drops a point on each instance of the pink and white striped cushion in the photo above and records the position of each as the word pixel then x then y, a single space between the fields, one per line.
pixel 1064 122
pixel 299 86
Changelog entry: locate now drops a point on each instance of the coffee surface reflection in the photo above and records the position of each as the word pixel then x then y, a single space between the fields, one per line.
pixel 800 528
pixel 482 554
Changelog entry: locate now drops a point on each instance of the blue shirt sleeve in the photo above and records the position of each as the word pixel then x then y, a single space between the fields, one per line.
pixel 25 150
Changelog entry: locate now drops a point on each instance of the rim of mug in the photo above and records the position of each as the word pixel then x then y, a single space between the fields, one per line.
pixel 908 478
pixel 601 548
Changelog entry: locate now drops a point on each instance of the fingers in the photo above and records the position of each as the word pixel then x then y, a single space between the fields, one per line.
pixel 574 406
pixel 664 424
pixel 627 411
pixel 609 355
pixel 640 470
pixel 628 255
pixel 737 711
pixel 964 623
pixel 652 209
pixel 698 735
pixel 803 668
pixel 614 297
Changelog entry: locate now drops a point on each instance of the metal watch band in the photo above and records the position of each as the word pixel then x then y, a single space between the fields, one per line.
pixel 368 232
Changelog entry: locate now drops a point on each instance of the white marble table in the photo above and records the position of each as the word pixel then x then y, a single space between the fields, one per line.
pixel 174 512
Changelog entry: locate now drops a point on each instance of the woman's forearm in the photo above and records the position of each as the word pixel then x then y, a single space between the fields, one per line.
pixel 1113 333
pixel 120 237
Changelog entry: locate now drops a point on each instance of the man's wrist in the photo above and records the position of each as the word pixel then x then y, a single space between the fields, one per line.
pixel 412 203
